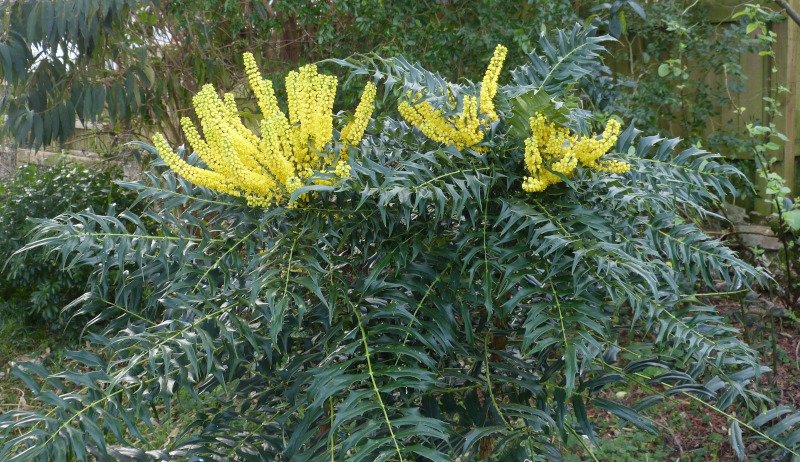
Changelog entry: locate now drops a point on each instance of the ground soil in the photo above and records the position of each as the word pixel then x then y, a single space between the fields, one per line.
pixel 8 163
pixel 783 385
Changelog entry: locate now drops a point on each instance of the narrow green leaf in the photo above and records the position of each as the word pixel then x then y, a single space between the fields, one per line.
pixel 735 438
pixel 583 419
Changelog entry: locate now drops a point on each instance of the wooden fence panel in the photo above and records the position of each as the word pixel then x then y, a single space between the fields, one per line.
pixel 760 82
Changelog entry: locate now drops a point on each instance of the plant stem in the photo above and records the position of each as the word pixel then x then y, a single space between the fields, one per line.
pixel 788 295
pixel 745 328
pixel 774 342
pixel 375 384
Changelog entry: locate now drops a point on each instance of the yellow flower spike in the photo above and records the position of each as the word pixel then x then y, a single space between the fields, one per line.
pixel 210 156
pixel 229 103
pixel 276 147
pixel 272 150
pixel 489 84
pixel 218 119
pixel 613 166
pixel 463 130
pixel 311 97
pixel 589 150
pixel 258 184
pixel 235 123
pixel 323 114
pixel 354 131
pixel 262 88
pixel 196 175
pixel 294 96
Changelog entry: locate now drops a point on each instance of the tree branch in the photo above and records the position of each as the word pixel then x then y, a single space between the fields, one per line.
pixel 789 11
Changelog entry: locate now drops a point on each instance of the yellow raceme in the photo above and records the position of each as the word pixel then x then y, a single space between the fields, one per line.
pixel 489 84
pixel 267 169
pixel 552 149
pixel 354 131
pixel 463 130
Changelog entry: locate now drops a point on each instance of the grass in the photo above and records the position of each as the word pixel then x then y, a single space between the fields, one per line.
pixel 26 341
pixel 627 446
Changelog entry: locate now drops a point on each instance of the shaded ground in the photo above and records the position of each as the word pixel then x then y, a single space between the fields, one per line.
pixel 692 432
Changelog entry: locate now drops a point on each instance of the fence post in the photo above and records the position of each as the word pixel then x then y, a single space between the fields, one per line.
pixel 791 101
pixel 786 61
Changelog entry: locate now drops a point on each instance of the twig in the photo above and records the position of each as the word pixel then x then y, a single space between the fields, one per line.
pixel 18 405
pixel 789 11
pixel 674 437
pixel 796 354
pixel 737 233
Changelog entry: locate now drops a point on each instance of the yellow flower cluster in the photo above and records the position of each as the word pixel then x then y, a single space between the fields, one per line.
pixel 266 170
pixel 552 149
pixel 461 130
pixel 354 131
pixel 489 85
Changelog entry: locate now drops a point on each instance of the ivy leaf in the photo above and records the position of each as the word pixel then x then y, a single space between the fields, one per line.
pixel 792 219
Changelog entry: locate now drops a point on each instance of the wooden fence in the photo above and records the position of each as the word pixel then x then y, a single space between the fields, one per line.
pixel 760 83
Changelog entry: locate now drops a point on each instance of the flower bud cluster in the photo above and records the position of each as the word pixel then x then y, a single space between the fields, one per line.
pixel 551 150
pixel 354 131
pixel 464 129
pixel 267 169
pixel 200 176
pixel 342 169
pixel 311 111
pixel 489 84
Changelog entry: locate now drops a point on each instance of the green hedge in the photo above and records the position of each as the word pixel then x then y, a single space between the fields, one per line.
pixel 33 285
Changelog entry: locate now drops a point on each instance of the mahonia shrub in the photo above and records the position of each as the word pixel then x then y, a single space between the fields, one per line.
pixel 485 272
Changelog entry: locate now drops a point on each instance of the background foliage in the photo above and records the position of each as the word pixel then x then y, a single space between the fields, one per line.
pixel 32 285
pixel 686 70
pixel 135 65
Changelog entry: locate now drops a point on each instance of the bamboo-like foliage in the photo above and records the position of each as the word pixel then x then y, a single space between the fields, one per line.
pixel 426 308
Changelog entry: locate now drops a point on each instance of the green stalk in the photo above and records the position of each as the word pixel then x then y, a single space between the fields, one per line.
pixel 375 384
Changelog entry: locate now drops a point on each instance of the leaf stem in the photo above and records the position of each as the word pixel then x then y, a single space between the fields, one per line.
pixel 374 383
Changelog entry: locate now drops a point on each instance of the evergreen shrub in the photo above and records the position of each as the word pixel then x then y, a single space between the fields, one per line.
pixel 471 276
